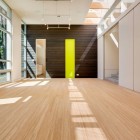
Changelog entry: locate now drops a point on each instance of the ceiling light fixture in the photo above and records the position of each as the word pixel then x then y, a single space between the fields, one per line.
pixel 58 16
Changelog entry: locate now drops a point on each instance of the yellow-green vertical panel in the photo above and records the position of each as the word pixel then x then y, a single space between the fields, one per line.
pixel 70 58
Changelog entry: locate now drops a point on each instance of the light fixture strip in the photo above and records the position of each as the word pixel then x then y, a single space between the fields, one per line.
pixel 58 16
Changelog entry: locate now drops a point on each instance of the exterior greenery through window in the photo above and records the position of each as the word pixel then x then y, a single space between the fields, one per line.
pixel 2 49
pixel 5 42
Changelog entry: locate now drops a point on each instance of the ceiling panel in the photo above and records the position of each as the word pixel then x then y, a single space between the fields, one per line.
pixel 41 12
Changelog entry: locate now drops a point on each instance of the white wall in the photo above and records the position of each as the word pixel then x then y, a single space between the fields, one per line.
pixel 101 58
pixel 16 47
pixel 137 48
pixel 126 51
pixel 111 54
pixel 129 50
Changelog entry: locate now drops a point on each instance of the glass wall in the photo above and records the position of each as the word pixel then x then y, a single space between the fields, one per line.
pixel 23 50
pixel 5 42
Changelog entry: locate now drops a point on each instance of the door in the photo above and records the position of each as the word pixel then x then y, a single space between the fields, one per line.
pixel 70 58
pixel 41 58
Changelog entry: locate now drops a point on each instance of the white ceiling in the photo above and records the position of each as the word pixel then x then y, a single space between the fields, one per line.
pixel 31 11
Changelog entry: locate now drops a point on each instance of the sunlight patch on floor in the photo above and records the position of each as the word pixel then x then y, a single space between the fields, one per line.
pixel 75 94
pixel 89 134
pixel 43 83
pixel 80 133
pixel 28 84
pixel 72 88
pixel 84 119
pixel 86 125
pixel 77 99
pixel 14 84
pixel 80 108
pixel 9 100
pixel 27 99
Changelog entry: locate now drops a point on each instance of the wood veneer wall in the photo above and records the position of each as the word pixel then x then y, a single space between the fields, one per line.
pixel 86 49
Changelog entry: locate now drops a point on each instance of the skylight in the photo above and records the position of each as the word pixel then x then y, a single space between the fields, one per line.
pixel 97 10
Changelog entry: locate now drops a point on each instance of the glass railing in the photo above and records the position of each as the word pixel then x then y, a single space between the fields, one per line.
pixel 23 49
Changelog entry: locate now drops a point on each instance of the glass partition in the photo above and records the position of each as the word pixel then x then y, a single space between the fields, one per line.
pixel 23 50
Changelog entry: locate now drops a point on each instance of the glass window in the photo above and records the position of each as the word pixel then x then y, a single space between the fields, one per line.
pixel 23 50
pixel 23 73
pixel 5 77
pixel 5 10
pixel 5 65
pixel 5 43
pixel 3 22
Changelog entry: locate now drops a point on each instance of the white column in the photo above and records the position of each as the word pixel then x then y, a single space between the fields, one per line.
pixel 101 58
pixel 16 47
pixel 137 49
pixel 126 51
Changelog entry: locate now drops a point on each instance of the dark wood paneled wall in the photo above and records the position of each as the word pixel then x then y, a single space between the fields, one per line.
pixel 86 49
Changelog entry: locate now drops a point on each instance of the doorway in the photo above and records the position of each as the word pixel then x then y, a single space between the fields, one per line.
pixel 112 55
pixel 40 58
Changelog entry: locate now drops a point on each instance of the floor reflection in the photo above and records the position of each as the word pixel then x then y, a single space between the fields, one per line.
pixel 86 125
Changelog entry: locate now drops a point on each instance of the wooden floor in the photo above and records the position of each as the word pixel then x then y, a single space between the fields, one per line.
pixel 65 109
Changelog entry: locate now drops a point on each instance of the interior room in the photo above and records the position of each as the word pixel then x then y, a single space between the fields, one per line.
pixel 112 55
pixel 69 70
pixel 41 58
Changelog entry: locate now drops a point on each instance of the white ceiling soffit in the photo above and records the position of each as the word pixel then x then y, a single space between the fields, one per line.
pixel 31 11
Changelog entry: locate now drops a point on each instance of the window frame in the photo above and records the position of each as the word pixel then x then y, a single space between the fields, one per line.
pixel 7 70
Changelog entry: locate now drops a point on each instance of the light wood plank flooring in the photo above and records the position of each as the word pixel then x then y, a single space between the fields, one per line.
pixel 68 109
